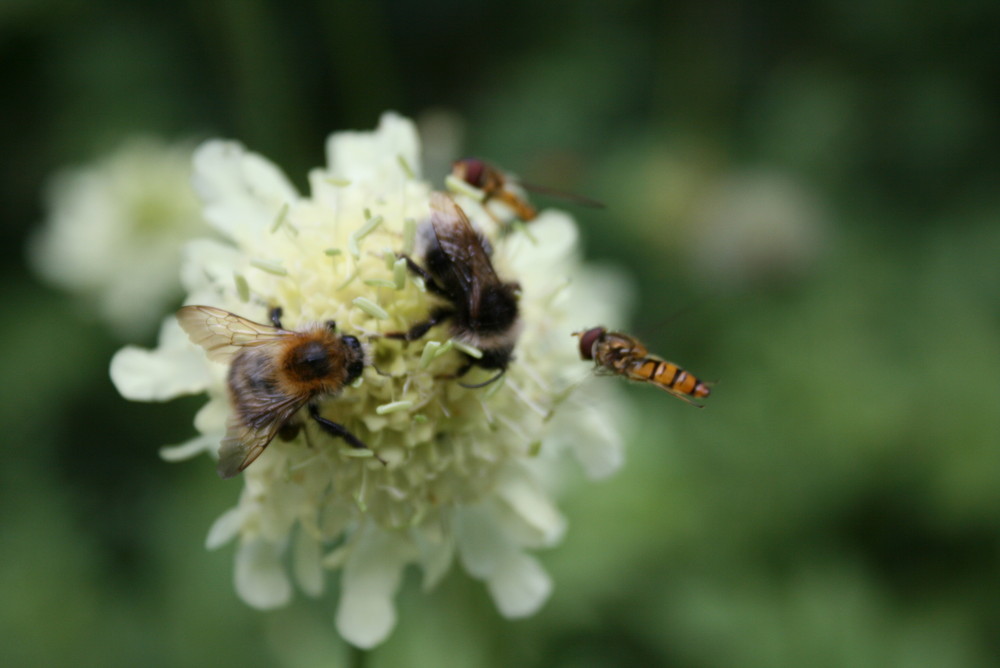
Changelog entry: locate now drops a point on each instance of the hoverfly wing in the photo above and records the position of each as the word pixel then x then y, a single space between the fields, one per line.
pixel 561 194
pixel 680 395
pixel 222 334
pixel 469 263
pixel 244 443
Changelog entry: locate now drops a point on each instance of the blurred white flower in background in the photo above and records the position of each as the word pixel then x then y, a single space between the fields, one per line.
pixel 754 226
pixel 470 472
pixel 115 229
pixel 726 225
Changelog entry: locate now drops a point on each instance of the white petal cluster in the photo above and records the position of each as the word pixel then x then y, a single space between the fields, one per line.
pixel 115 230
pixel 468 473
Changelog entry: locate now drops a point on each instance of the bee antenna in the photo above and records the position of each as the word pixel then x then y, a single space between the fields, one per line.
pixel 476 386
pixel 332 324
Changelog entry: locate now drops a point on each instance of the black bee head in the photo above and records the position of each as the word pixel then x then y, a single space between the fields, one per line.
pixel 356 358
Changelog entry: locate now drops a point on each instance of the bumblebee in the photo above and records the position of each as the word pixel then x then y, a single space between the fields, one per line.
pixel 273 374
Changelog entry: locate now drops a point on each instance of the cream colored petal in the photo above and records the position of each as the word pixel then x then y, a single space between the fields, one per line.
pixel 531 513
pixel 207 263
pixel 225 528
pixel 588 426
pixel 519 585
pixel 242 192
pixel 306 564
pixel 172 370
pixel 372 159
pixel 480 541
pixel 437 551
pixel 550 241
pixel 260 577
pixel 188 449
pixel 367 613
pixel 211 418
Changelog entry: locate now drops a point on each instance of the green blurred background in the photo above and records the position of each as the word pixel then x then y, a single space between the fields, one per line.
pixel 807 196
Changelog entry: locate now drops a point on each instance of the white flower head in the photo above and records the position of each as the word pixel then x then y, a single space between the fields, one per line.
pixel 115 230
pixel 459 471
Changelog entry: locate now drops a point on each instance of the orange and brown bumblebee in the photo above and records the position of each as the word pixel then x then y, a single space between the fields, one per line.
pixel 481 308
pixel 496 186
pixel 273 373
pixel 626 356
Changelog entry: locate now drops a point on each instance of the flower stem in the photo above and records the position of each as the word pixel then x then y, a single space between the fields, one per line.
pixel 356 657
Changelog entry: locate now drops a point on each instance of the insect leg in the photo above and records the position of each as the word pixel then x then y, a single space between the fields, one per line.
pixel 461 371
pixel 438 316
pixel 429 281
pixel 339 430
pixel 275 315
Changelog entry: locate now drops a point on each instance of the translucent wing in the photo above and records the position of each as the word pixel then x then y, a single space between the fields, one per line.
pixel 244 443
pixel 561 194
pixel 460 242
pixel 222 334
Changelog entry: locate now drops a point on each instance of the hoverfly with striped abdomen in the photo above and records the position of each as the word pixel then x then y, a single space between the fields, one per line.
pixel 626 356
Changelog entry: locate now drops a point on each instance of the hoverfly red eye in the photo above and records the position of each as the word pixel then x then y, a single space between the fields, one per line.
pixel 471 170
pixel 587 340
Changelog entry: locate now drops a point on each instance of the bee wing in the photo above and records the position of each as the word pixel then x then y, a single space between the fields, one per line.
pixel 244 443
pixel 461 243
pixel 222 334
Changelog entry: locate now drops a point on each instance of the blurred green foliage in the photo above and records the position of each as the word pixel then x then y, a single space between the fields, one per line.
pixel 836 504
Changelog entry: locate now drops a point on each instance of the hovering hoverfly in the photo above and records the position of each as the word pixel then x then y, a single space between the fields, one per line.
pixel 273 373
pixel 496 186
pixel 456 267
pixel 626 356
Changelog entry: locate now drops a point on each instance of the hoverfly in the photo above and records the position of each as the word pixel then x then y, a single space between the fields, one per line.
pixel 456 267
pixel 273 373
pixel 496 186
pixel 626 356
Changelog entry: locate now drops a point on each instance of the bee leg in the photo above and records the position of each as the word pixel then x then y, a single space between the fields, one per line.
pixel 339 430
pixel 275 316
pixel 289 430
pixel 425 275
pixel 461 371
pixel 438 316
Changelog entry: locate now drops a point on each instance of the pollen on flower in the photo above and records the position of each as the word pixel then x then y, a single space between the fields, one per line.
pixel 449 465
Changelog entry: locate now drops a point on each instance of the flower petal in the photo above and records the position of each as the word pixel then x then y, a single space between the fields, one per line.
pixel 242 192
pixel 225 528
pixel 593 436
pixel 172 370
pixel 480 540
pixel 188 449
pixel 373 159
pixel 519 585
pixel 372 574
pixel 306 563
pixel 260 577
pixel 539 522
pixel 437 551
